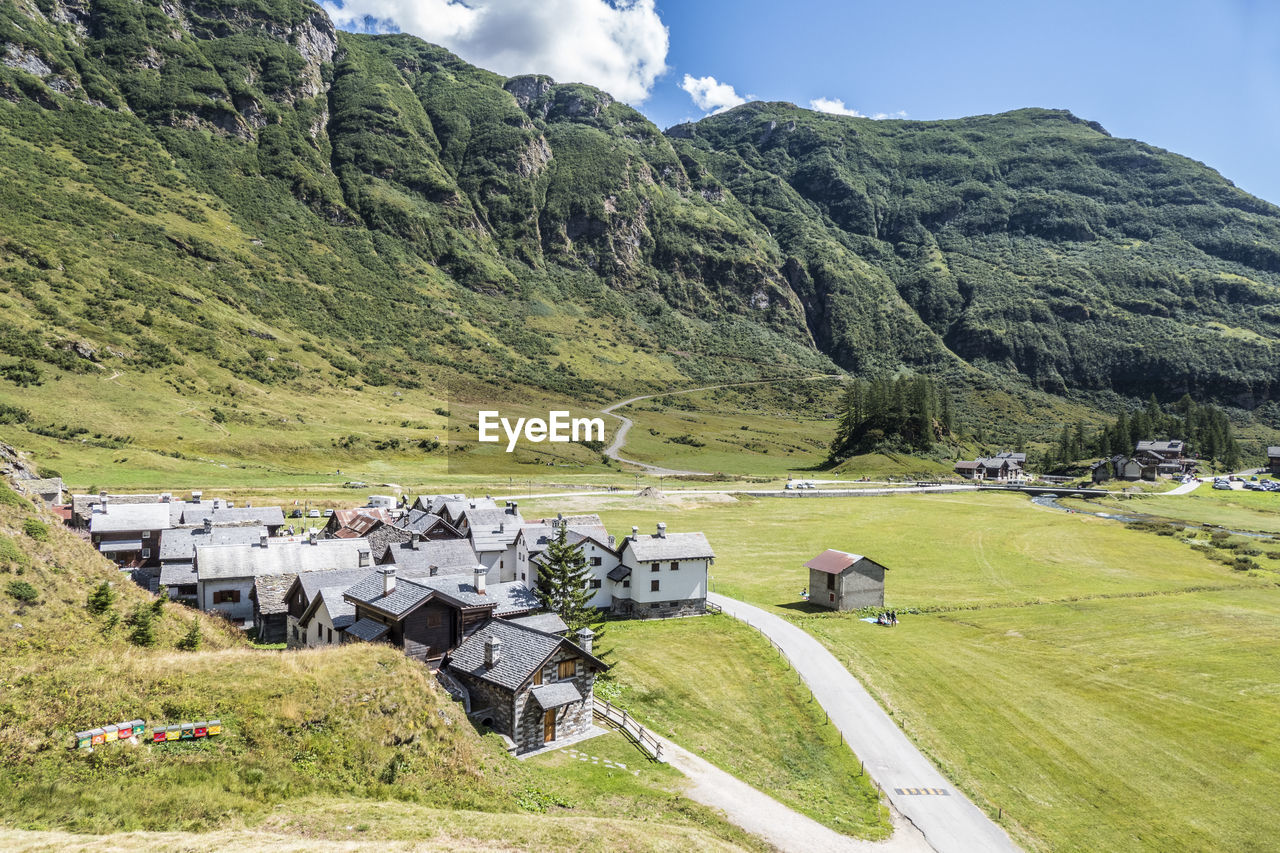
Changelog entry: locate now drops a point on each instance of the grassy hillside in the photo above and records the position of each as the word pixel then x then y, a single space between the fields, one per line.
pixel 231 232
pixel 351 744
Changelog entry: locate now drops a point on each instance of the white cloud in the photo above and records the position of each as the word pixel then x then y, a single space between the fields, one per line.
pixel 619 46
pixel 835 106
pixel 710 95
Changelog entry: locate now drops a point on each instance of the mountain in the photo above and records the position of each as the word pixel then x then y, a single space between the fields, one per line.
pixel 205 192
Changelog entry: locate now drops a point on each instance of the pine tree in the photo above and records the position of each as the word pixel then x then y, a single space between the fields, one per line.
pixel 562 581
pixel 101 599
pixel 144 629
pixel 190 641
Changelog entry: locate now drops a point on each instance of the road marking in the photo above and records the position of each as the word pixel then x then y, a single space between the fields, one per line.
pixel 922 792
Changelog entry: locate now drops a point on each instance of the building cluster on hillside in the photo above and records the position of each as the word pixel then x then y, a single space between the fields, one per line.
pixel 1150 459
pixel 1001 468
pixel 450 580
pixel 1273 460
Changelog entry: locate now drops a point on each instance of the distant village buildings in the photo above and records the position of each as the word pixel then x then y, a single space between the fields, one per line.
pixel 1150 460
pixel 1000 468
pixel 1273 460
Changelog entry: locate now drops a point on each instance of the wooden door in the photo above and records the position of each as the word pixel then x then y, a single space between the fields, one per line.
pixel 549 727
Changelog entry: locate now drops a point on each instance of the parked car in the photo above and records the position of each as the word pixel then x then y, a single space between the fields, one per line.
pixel 297 513
pixel 315 513
pixel 328 513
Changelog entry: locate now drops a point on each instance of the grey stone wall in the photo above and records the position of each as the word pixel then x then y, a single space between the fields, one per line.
pixel 631 609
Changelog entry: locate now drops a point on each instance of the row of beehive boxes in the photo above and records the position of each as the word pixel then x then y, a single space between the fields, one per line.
pixel 138 729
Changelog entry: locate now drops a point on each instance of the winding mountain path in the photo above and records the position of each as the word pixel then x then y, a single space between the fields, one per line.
pixel 949 820
pixel 620 437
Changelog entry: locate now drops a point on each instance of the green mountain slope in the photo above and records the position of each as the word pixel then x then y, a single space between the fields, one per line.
pixel 212 199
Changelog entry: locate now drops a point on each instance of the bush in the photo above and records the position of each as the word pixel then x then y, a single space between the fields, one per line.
pixel 23 591
pixel 10 554
pixel 144 627
pixel 101 599
pixel 36 529
pixel 190 641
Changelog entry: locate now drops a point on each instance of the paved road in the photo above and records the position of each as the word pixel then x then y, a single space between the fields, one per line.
pixel 620 437
pixel 949 823
pixel 781 826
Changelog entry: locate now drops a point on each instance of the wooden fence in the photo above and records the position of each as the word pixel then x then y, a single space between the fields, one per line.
pixel 644 738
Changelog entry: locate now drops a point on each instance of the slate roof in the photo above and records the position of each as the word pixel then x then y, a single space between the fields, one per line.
pixel 493 529
pixel 557 694
pixel 423 521
pixel 450 556
pixel 505 598
pixel 49 488
pixel 453 508
pixel 367 629
pixel 271 592
pixel 1174 446
pixel 619 573
pixel 117 546
pixel 523 652
pixel 280 557
pixel 123 518
pixel 673 546
pixel 1273 452
pixel 341 612
pixel 178 573
pixel 312 582
pixel 835 562
pixel 81 505
pixel 547 623
pixel 180 543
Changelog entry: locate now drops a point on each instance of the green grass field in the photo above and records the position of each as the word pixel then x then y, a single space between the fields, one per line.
pixel 1237 510
pixel 718 688
pixel 1107 688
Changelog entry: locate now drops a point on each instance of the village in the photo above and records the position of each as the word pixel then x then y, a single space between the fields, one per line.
pixel 1150 461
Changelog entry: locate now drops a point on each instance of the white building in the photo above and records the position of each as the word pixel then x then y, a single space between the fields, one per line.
pixel 661 574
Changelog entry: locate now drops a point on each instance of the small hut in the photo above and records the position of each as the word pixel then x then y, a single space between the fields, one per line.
pixel 843 581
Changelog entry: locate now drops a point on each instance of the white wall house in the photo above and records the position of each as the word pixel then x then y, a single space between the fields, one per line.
pixel 661 574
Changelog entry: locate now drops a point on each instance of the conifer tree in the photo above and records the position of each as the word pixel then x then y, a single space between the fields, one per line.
pixel 144 629
pixel 101 599
pixel 562 581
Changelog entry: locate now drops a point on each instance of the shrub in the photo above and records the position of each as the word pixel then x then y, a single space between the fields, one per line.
pixel 101 599
pixel 190 641
pixel 144 627
pixel 8 497
pixel 23 591
pixel 36 529
pixel 10 554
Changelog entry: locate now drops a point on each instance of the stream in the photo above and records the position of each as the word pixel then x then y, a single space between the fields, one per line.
pixel 1051 502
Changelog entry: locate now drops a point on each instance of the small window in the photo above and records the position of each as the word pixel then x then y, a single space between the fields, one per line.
pixel 653 586
pixel 597 561
pixel 568 669
pixel 675 567
pixel 146 534
pixel 226 596
pixel 594 583
pixel 653 605
pixel 626 584
pixel 328 635
pixel 653 567
pixel 146 553
pixel 831 581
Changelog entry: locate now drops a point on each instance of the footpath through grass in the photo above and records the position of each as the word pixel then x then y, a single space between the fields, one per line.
pixel 719 689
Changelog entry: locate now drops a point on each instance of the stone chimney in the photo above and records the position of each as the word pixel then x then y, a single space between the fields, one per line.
pixel 413 543
pixel 662 530
pixel 311 536
pixel 492 652
pixel 478 578
pixel 613 540
pixel 262 541
pixel 584 639
pixel 208 525
pixel 166 498
pixel 635 532
pixel 102 502
pixel 433 570
pixel 363 557
pixel 388 579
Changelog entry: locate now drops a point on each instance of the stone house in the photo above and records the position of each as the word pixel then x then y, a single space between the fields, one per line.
pixel 178 553
pixel 533 687
pixel 426 559
pixel 226 574
pixel 302 603
pixel 429 616
pixel 129 534
pixel 661 575
pixel 1273 460
pixel 842 581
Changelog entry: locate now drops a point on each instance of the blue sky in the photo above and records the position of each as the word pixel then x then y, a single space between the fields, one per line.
pixel 1198 78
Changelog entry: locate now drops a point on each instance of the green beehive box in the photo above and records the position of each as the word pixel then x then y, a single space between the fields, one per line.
pixel 84 740
pixel 188 731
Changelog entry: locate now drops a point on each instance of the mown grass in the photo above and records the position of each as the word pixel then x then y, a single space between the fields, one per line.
pixel 719 689
pixel 1106 688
